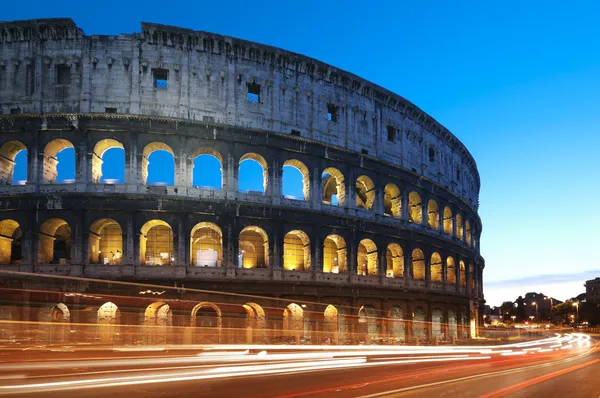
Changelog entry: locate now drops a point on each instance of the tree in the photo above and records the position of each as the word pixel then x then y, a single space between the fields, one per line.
pixel 521 311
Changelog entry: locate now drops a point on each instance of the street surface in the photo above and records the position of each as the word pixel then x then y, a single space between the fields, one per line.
pixel 564 366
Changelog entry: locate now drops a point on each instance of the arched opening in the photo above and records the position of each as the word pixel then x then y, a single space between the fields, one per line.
pixel 253 175
pixel 54 313
pixel 55 242
pixel 108 162
pixel 206 315
pixel 365 192
pixel 293 322
pixel 437 321
pixel 334 254
pixel 59 162
pixel 450 271
pixel 418 265
pixel 415 208
pixel 472 276
pixel 207 172
pixel 254 248
pixel 158 164
pixel 157 317
pixel 10 242
pixel 468 232
pixel 434 214
pixel 13 163
pixel 296 180
pixel 296 251
pixel 206 245
pixel 452 324
pixel 392 202
pixel 256 324
pixel 395 261
pixel 459 227
pixel 463 276
pixel 448 221
pixel 331 325
pixel 419 325
pixel 436 268
pixel 367 258
pixel 367 323
pixel 156 243
pixel 105 242
pixel 398 328
pixel 108 319
pixel 333 187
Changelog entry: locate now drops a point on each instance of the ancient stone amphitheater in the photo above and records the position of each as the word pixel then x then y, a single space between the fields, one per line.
pixel 385 235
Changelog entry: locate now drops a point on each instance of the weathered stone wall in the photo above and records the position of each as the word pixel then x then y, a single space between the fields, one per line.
pixel 50 66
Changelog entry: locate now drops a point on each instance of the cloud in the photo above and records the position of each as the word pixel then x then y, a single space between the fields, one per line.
pixel 550 279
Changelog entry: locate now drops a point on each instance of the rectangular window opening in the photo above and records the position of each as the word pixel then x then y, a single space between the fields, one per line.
pixel 431 155
pixel 332 113
pixel 110 110
pixel 254 93
pixel 63 74
pixel 161 78
pixel 457 174
pixel 391 132
pixel 296 133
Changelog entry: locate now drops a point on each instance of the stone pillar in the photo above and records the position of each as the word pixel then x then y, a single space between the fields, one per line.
pixel 425 212
pixel 274 185
pixel 33 166
pixel 407 266
pixel 468 278
pixel 129 253
pixel 379 201
pixel 29 247
pixel 316 262
pixel 181 170
pixel 131 174
pixel 230 173
pixel 404 206
pixel 231 246
pixel 316 190
pixel 276 248
pixel 381 261
pixel 82 163
pixel 427 261
pixel 77 245
pixel 183 244
pixel 350 198
pixel 352 250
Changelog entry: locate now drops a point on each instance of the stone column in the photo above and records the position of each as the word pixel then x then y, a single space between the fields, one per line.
pixel 82 174
pixel 274 186
pixel 352 250
pixel 230 173
pixel 350 196
pixel 316 190
pixel 183 244
pixel 404 206
pixel 379 201
pixel 427 261
pixel 316 262
pixel 182 170
pixel 381 261
pixel 425 212
pixel 276 248
pixel 129 256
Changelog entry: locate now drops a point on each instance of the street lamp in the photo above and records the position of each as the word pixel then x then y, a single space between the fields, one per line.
pixel 513 318
pixel 537 314
pixel 576 305
pixel 549 298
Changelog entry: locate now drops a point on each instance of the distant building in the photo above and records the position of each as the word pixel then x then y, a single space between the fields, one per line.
pixel 592 290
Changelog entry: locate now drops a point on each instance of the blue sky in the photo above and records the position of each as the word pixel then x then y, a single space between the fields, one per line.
pixel 517 82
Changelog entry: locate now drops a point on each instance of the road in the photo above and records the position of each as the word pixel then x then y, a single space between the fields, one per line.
pixel 565 366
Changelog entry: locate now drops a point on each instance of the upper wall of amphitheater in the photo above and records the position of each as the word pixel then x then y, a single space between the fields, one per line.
pixel 51 66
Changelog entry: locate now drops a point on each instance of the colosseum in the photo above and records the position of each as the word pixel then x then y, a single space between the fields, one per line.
pixel 129 160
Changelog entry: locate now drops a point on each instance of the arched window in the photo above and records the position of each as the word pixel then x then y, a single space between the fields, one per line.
pixel 296 251
pixel 468 232
pixel 367 258
pixel 108 162
pixel 472 276
pixel 254 248
pixel 450 271
pixel 437 320
pixel 365 193
pixel 448 221
pixel 419 324
pixel 10 242
pixel 367 323
pixel 206 245
pixel 334 254
pixel 55 242
pixel 105 242
pixel 158 164
pixel 463 276
pixel 13 163
pixel 293 322
pixel 415 208
pixel 418 265
pixel 156 243
pixel 436 268
pixel 207 172
pixel 392 202
pixel 296 180
pixel 333 188
pixel 434 214
pixel 395 261
pixel 398 329
pixel 459 227
pixel 206 315
pixel 253 175
pixel 59 162
pixel 255 323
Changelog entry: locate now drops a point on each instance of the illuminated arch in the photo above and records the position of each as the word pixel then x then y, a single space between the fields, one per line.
pixel 156 243
pixel 459 227
pixel 452 324
pixel 367 263
pixel 206 245
pixel 255 322
pixel 472 276
pixel 398 327
pixel 433 214
pixel 10 242
pixel 55 242
pixel 149 150
pixel 365 192
pixel 448 221
pixel 334 254
pixel 54 313
pixel 436 268
pixel 463 276
pixel 437 321
pixel 263 164
pixel 415 208
pixel 293 322
pixel 367 319
pixel 8 154
pixel 392 201
pixel 254 248
pixel 300 167
pixel 105 242
pixel 51 150
pixel 419 324
pixel 158 314
pixel 333 187
pixel 468 232
pixel 450 271
pixel 296 251
pixel 202 178
pixel 395 261
pixel 100 149
pixel 418 265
